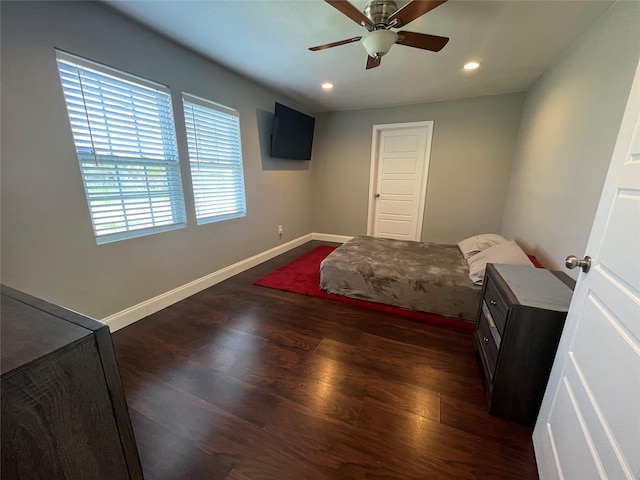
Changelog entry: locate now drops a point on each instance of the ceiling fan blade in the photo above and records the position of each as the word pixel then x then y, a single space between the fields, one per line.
pixel 413 10
pixel 352 12
pixel 373 62
pixel 424 41
pixel 335 44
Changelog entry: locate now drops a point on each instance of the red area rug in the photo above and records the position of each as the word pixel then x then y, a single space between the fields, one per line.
pixel 302 276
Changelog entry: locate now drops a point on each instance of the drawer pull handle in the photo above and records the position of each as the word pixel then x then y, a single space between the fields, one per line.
pixel 486 340
pixel 488 316
pixel 492 302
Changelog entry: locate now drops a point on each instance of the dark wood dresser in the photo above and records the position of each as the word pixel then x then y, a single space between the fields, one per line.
pixel 63 410
pixel 520 321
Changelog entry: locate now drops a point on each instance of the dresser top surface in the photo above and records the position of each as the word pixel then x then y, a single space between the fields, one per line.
pixel 29 333
pixel 536 287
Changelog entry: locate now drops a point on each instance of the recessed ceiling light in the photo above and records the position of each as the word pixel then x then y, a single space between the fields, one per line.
pixel 327 86
pixel 471 66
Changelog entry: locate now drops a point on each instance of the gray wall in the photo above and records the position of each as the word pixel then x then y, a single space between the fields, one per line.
pixel 569 127
pixel 48 247
pixel 472 150
pixel 562 151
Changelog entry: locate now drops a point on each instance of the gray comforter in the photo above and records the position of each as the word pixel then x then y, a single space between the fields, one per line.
pixel 427 277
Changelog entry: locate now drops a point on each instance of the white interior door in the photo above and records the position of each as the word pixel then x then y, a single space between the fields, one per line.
pixel 589 422
pixel 399 169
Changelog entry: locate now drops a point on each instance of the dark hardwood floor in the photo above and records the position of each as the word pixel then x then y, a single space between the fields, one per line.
pixel 243 382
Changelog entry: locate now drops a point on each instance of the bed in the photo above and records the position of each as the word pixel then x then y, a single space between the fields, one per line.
pixel 427 277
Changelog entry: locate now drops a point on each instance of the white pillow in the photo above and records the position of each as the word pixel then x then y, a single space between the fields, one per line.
pixel 472 245
pixel 506 252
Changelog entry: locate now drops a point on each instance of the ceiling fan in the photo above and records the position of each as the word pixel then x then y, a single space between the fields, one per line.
pixel 379 17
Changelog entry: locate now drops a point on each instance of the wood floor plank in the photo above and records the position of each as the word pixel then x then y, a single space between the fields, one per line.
pixel 360 382
pixel 235 443
pixel 443 445
pixel 323 398
pixel 344 449
pixel 241 382
pixel 158 447
pixel 415 373
pixel 376 345
pixel 236 475
pixel 406 398
pixel 413 333
pixel 473 418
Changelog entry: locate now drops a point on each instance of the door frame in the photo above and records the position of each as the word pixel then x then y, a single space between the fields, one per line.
pixel 373 170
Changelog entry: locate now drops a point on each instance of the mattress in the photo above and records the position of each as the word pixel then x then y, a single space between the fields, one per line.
pixel 427 277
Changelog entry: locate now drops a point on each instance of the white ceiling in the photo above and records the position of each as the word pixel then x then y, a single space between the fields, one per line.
pixel 267 40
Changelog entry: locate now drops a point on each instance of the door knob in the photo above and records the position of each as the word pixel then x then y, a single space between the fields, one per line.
pixel 573 262
pixel 377 195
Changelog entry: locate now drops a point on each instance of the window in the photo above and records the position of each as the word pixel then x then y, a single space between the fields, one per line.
pixel 215 156
pixel 125 140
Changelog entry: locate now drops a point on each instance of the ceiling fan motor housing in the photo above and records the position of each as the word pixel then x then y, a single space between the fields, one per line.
pixel 378 11
pixel 378 41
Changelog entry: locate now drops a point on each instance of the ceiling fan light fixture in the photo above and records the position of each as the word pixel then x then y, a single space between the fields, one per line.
pixel 378 42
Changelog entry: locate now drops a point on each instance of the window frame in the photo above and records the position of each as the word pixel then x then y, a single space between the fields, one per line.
pixel 226 121
pixel 131 150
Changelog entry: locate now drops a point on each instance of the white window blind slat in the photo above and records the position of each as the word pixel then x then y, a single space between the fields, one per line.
pixel 215 158
pixel 125 140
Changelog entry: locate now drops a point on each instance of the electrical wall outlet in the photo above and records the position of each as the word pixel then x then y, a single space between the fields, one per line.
pixel 280 230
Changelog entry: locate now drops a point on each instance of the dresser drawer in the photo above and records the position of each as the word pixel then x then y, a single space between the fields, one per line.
pixel 498 306
pixel 487 343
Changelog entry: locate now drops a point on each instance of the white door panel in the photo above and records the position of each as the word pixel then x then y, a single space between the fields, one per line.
pixel 393 229
pixel 398 187
pixel 570 442
pixel 399 142
pixel 602 449
pixel 399 168
pixel 619 294
pixel 589 421
pixel 622 232
pixel 600 377
pixel 394 207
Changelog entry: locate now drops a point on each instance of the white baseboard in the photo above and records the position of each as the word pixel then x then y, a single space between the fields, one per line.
pixel 327 237
pixel 133 314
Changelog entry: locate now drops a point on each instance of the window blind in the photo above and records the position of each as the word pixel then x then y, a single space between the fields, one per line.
pixel 125 139
pixel 215 158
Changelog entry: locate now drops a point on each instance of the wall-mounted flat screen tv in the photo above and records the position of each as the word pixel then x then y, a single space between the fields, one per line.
pixel 292 135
